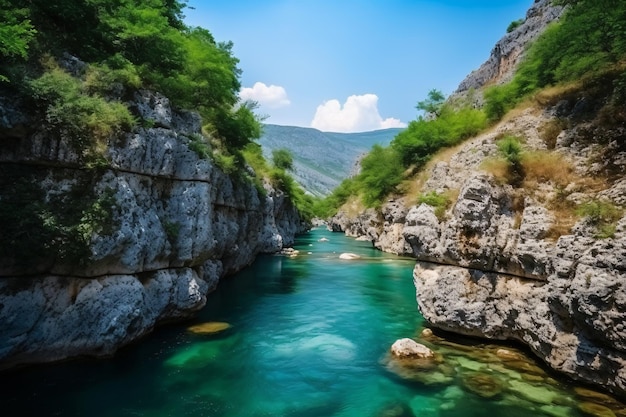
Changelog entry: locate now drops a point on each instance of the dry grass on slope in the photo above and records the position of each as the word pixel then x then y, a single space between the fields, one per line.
pixel 550 175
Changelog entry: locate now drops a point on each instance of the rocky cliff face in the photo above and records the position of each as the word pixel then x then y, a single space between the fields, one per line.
pixel 170 225
pixel 508 51
pixel 499 263
pixel 513 259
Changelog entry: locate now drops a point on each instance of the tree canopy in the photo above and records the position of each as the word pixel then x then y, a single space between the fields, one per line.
pixel 144 43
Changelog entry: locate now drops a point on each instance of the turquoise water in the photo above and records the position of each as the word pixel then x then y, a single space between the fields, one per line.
pixel 309 336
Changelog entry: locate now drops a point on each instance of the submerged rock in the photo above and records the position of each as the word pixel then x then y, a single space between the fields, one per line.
pixel 539 394
pixel 415 362
pixel 508 355
pixel 291 252
pixel 396 410
pixel 210 327
pixel 595 410
pixel 597 397
pixel 483 385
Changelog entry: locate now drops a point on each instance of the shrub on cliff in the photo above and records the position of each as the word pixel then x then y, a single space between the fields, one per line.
pixel 514 25
pixel 603 215
pixel 282 159
pixel 588 41
pixel 440 202
pixel 424 137
pixel 86 120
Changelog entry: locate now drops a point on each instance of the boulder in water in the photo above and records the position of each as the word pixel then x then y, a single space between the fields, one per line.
pixel 291 252
pixel 210 327
pixel 349 256
pixel 409 348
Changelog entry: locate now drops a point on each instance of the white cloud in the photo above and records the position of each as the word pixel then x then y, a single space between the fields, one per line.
pixel 358 114
pixel 272 96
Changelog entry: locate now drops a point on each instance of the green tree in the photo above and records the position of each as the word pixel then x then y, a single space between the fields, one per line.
pixel 381 172
pixel 16 34
pixel 433 103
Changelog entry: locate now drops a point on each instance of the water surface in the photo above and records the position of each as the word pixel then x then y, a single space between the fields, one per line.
pixel 309 337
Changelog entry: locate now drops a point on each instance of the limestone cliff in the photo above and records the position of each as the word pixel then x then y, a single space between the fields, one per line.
pixel 508 51
pixel 515 262
pixel 169 225
pixel 538 256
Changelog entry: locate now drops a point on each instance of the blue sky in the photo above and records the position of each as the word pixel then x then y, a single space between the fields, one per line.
pixel 348 65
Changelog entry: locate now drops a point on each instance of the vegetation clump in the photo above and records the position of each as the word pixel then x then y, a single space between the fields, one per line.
pixel 510 148
pixel 603 215
pixel 586 43
pixel 514 25
pixel 440 202
pixel 125 46
pixel 42 229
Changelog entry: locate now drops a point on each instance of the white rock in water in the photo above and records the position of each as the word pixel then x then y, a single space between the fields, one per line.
pixel 410 348
pixel 349 256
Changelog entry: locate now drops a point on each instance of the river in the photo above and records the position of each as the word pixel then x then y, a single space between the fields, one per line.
pixel 309 336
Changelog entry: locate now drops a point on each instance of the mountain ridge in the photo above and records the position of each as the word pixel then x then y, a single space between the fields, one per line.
pixel 320 172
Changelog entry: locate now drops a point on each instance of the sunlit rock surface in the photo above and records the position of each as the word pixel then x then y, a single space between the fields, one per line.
pixel 178 224
pixel 495 264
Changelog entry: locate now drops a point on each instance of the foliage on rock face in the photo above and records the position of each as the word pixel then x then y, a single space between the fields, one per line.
pixel 510 149
pixel 380 174
pixel 16 33
pixel 424 137
pixel 588 41
pixel 131 44
pixel 603 215
pixel 440 202
pixel 328 206
pixel 57 227
pixel 87 120
pixel 279 178
pixel 514 25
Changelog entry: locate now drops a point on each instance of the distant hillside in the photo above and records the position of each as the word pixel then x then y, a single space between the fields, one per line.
pixel 322 159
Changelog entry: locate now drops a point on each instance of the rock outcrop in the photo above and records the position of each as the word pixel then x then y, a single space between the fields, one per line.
pixel 383 229
pixel 172 226
pixel 497 264
pixel 511 260
pixel 508 51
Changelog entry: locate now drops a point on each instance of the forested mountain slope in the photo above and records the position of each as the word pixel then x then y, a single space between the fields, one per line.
pixel 322 159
